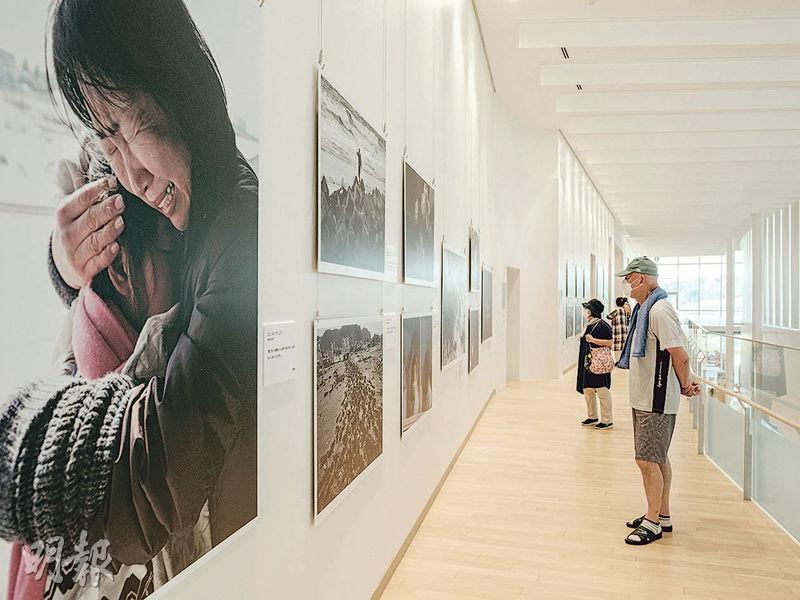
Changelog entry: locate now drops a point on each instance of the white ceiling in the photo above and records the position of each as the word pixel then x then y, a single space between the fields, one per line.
pixel 689 116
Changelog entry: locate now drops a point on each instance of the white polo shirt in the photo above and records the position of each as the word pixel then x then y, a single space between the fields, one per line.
pixel 654 386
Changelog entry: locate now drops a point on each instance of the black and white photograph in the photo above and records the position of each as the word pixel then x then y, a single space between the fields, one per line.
pixel 474 259
pixel 348 399
pixel 474 338
pixel 417 392
pixel 569 320
pixel 577 318
pixel 351 171
pixel 587 284
pixel 486 305
pixel 105 163
pixel 454 306
pixel 419 260
pixel 572 281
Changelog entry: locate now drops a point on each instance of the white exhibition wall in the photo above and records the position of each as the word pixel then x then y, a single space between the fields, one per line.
pixel 586 227
pixel 416 68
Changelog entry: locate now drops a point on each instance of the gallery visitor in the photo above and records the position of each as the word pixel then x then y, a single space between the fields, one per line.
pixel 594 366
pixel 175 443
pixel 619 318
pixel 659 375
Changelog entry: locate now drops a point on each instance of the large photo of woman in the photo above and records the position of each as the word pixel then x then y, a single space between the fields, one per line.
pixel 128 360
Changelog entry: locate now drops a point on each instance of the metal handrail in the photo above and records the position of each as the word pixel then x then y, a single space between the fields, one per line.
pixel 742 339
pixel 745 400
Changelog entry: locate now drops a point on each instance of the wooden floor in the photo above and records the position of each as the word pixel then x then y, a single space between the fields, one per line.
pixel 536 508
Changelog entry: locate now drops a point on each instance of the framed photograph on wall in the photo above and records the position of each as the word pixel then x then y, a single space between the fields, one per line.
pixel 474 338
pixel 419 247
pixel 487 316
pixel 351 192
pixel 454 305
pixel 569 320
pixel 348 405
pixel 417 368
pixel 474 259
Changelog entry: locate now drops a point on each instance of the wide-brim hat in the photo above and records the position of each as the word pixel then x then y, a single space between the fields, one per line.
pixel 595 306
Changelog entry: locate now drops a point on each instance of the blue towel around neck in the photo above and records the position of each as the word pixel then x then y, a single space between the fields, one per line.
pixel 636 342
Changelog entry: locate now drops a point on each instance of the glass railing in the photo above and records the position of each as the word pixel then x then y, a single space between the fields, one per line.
pixel 748 417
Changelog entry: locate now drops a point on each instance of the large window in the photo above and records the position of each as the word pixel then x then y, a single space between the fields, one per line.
pixel 696 286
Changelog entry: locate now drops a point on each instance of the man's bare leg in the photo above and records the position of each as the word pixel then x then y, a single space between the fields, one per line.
pixel 666 476
pixel 653 488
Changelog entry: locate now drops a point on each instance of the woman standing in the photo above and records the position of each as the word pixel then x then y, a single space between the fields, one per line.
pixel 619 318
pixel 596 335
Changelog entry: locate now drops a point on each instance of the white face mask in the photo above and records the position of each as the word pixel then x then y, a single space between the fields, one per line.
pixel 587 315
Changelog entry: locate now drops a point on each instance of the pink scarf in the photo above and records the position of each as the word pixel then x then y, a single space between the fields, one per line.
pixel 102 339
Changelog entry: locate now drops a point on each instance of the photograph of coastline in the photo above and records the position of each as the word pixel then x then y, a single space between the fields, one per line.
pixel 351 211
pixel 454 306
pixel 348 403
pixel 417 376
pixel 419 262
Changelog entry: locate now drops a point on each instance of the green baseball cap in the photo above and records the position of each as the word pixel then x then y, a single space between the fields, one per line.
pixel 640 264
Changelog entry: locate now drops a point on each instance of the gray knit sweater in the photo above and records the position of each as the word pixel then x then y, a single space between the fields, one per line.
pixel 58 441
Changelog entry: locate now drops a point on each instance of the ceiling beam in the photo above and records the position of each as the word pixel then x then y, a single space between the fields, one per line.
pixel 587 103
pixel 706 168
pixel 728 121
pixel 672 72
pixel 675 156
pixel 686 139
pixel 614 33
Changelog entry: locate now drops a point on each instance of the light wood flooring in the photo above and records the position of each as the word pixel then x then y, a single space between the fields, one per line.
pixel 536 508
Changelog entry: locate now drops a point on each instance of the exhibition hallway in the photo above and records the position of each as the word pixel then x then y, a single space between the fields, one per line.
pixel 535 507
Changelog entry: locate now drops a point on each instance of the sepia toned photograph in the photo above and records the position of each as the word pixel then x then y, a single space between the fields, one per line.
pixel 474 338
pixel 487 317
pixel 474 259
pixel 348 398
pixel 419 261
pixel 417 376
pixel 454 306
pixel 351 211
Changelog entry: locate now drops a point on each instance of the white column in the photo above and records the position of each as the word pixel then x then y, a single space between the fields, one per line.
pixel 794 264
pixel 757 284
pixel 786 266
pixel 730 306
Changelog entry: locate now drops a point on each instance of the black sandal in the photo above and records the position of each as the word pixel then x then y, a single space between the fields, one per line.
pixel 637 522
pixel 643 536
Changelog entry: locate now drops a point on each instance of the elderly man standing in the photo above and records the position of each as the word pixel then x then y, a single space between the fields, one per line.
pixel 659 375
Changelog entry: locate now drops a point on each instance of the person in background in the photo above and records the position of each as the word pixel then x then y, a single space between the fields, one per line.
pixel 619 318
pixel 597 333
pixel 660 374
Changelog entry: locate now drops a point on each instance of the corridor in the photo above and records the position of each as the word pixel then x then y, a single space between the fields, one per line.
pixel 536 508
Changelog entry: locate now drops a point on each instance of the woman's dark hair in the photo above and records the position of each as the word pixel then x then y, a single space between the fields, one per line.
pixel 120 48
pixel 137 242
pixel 621 301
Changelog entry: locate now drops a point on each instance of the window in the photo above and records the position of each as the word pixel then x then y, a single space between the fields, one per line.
pixel 695 285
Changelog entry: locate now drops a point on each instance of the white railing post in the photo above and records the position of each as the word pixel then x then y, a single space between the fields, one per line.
pixel 749 431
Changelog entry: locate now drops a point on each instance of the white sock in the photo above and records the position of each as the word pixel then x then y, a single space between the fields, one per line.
pixel 654 527
pixel 665 521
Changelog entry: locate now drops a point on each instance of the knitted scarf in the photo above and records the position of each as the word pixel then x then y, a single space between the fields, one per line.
pixel 636 342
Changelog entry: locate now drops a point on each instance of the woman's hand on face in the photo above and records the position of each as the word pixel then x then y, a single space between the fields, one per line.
pixel 88 222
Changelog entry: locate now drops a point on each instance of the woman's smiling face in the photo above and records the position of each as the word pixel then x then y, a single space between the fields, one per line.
pixel 146 153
